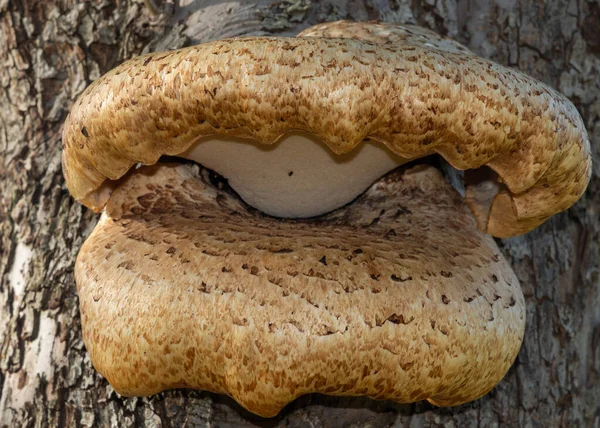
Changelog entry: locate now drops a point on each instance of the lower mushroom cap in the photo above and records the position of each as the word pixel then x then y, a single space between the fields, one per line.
pixel 397 296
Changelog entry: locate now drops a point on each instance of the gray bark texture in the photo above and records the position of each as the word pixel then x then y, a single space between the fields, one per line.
pixel 51 50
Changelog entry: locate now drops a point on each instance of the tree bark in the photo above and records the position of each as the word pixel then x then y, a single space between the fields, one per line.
pixel 51 50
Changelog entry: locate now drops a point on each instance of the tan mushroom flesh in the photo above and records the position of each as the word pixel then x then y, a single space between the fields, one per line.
pixel 391 289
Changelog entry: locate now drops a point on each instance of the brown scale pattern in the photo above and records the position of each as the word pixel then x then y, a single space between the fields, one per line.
pixel 397 296
pixel 414 98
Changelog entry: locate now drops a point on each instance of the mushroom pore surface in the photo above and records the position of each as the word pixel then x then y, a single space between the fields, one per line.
pixel 297 177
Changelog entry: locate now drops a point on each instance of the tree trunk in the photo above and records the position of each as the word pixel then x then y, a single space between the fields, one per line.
pixel 51 50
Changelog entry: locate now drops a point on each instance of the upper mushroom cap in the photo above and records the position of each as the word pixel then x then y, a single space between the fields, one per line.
pixel 407 88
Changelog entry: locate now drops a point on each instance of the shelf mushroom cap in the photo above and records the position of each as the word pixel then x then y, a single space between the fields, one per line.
pixel 397 296
pixel 416 97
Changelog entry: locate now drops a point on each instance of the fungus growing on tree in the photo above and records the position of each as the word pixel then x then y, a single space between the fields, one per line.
pixel 375 283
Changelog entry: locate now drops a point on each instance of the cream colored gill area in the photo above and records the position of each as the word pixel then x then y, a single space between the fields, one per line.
pixel 297 177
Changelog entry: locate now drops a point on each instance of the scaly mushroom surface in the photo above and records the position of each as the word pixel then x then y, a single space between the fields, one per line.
pixel 414 99
pixel 397 296
pixel 391 288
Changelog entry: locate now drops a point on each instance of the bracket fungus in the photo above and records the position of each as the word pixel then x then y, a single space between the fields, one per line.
pixel 384 284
